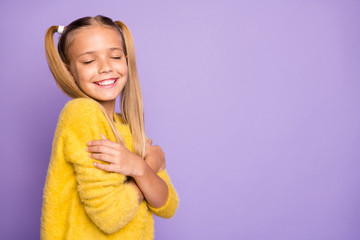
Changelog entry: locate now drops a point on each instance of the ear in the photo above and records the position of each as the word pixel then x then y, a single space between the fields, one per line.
pixel 68 68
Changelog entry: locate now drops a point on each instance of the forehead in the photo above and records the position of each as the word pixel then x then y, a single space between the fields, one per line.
pixel 95 38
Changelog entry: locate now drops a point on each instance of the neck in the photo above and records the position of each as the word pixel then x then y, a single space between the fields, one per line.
pixel 109 108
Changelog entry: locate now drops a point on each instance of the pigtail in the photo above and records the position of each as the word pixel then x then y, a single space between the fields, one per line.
pixel 131 99
pixel 58 68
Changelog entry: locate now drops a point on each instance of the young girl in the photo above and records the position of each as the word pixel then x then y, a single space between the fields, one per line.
pixel 105 179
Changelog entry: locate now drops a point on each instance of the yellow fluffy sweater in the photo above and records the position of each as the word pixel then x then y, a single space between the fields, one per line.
pixel 83 202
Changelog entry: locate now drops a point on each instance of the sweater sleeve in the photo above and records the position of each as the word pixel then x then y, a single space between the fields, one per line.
pixel 169 208
pixel 108 201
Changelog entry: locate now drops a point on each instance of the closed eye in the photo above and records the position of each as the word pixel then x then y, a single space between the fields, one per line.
pixel 88 62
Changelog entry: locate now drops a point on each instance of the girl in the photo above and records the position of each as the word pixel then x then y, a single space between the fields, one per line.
pixel 105 180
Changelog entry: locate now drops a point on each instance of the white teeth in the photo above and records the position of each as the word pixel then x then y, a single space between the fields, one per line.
pixel 107 82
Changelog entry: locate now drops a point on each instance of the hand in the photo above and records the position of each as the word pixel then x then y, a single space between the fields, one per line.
pixel 154 157
pixel 120 159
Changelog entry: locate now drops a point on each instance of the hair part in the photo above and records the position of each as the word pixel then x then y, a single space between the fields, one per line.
pixel 132 111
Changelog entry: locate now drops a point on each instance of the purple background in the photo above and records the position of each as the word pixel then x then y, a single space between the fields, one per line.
pixel 255 103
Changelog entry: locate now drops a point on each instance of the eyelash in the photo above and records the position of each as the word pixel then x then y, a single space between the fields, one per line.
pixel 88 62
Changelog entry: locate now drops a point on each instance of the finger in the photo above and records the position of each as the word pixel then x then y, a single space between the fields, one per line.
pixel 103 157
pixel 101 149
pixel 149 141
pixel 105 167
pixel 104 142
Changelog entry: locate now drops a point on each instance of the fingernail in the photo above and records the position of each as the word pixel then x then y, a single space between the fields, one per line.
pixel 95 164
pixel 89 143
pixel 86 149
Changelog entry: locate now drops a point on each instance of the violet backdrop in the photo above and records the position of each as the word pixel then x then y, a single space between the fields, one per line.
pixel 255 103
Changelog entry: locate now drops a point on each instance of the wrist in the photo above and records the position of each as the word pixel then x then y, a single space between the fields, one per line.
pixel 142 168
pixel 150 163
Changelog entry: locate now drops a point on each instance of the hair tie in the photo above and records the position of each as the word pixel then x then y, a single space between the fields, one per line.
pixel 60 29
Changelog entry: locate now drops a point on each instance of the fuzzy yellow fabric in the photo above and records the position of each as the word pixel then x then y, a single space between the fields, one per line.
pixel 83 202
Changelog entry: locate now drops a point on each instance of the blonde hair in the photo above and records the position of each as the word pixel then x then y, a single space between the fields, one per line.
pixel 132 111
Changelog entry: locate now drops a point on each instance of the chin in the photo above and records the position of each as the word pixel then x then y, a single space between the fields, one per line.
pixel 105 99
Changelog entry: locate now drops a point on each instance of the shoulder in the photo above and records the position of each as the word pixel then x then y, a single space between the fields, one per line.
pixel 81 106
pixel 81 111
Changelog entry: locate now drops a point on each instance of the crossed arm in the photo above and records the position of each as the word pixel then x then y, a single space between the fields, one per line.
pixel 110 200
pixel 143 174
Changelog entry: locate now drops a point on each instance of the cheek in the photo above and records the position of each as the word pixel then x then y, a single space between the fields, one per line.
pixel 125 69
pixel 122 66
pixel 82 74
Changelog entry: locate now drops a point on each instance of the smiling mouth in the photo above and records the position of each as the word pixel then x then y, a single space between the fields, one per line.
pixel 106 82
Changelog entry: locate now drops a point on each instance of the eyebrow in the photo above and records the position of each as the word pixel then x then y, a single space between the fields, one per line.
pixel 92 52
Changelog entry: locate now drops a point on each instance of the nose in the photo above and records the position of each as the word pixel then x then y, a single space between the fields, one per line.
pixel 105 66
